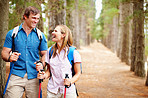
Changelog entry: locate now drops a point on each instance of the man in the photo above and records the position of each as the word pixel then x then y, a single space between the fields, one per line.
pixel 28 45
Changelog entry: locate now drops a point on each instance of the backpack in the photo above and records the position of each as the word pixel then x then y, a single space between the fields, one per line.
pixel 15 31
pixel 70 57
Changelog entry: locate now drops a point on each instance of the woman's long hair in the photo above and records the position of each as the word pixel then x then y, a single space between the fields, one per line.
pixel 67 41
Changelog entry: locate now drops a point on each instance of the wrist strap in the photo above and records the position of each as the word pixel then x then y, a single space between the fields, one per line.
pixel 9 58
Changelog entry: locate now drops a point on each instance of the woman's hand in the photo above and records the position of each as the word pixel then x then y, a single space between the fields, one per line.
pixel 39 66
pixel 41 75
pixel 67 82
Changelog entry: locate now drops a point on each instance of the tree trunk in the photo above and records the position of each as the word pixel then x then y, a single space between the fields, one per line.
pixel 130 33
pixel 146 83
pixel 57 14
pixel 115 32
pixel 75 21
pixel 134 41
pixel 124 29
pixel 83 23
pixel 140 46
pixel 4 6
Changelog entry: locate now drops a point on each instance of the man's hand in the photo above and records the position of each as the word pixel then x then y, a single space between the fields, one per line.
pixel 14 56
pixel 39 65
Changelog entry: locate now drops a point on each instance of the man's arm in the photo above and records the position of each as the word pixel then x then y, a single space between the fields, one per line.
pixel 5 54
pixel 43 53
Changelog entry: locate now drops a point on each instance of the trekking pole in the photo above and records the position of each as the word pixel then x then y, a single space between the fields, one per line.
pixel 11 68
pixel 66 86
pixel 40 81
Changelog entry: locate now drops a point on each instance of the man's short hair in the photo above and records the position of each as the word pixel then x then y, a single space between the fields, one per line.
pixel 30 10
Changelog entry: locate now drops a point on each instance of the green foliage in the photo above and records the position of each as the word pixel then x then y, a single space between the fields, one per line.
pixel 56 6
pixel 97 27
pixel 107 4
pixel 146 50
pixel 146 39
pixel 108 15
pixel 110 9
pixel 16 9
pixel 50 43
pixel 69 8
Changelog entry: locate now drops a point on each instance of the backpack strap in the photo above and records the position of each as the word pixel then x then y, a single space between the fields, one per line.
pixel 50 52
pixel 14 33
pixel 70 56
pixel 39 33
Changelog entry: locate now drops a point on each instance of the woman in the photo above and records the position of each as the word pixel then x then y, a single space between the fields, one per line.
pixel 59 65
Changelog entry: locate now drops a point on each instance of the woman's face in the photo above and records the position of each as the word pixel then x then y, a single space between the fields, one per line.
pixel 57 36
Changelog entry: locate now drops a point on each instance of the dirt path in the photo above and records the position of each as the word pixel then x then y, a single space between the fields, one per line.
pixel 105 76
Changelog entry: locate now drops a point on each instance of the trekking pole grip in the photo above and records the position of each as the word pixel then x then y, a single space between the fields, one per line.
pixel 66 76
pixel 12 52
pixel 40 69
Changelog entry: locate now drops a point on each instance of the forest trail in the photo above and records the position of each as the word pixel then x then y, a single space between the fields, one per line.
pixel 105 76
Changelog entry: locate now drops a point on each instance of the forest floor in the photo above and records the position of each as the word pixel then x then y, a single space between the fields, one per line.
pixel 105 76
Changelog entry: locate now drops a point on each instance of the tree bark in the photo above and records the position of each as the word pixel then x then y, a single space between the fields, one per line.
pixel 57 14
pixel 75 21
pixel 4 6
pixel 140 46
pixel 124 29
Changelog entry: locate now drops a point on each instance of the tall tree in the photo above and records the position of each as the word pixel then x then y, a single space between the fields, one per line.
pixel 75 21
pixel 124 29
pixel 4 6
pixel 57 14
pixel 138 23
pixel 116 32
pixel 146 37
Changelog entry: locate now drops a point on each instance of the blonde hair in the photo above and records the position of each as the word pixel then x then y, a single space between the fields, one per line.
pixel 67 41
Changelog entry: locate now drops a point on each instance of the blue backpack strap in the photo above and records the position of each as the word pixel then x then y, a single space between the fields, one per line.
pixel 70 57
pixel 50 52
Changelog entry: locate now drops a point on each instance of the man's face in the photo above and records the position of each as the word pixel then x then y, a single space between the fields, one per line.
pixel 32 20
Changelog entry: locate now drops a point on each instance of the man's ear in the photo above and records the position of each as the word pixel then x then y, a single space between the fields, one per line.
pixel 25 17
